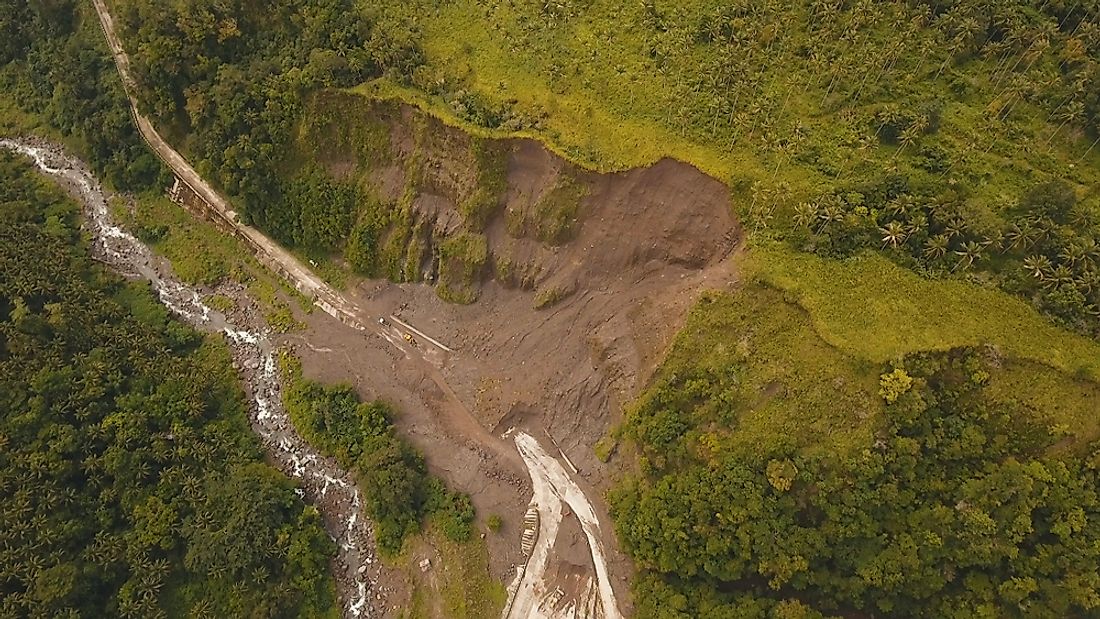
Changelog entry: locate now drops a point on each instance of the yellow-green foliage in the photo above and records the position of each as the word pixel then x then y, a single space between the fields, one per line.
pixel 548 297
pixel 876 310
pixel 758 380
pixel 612 85
pixel 199 252
pixel 491 163
pixel 1068 402
pixel 458 584
pixel 461 258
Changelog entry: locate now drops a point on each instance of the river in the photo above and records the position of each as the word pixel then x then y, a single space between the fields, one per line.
pixel 321 480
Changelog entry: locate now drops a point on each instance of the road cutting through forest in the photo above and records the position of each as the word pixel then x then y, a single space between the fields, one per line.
pixel 552 482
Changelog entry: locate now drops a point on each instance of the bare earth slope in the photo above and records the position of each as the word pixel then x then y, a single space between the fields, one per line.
pixel 646 241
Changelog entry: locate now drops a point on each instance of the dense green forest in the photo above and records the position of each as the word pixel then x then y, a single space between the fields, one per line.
pixel 54 64
pixel 399 493
pixel 132 483
pixel 229 78
pixel 961 502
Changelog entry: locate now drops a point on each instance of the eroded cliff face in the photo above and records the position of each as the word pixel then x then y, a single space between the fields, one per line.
pixel 554 292
pixel 528 218
pixel 578 278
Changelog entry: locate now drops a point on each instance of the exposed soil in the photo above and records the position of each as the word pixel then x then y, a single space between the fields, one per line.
pixel 647 242
pixel 642 245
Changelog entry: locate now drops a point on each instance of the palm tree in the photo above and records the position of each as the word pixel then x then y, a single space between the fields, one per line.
pixel 900 206
pixel 969 253
pixel 954 227
pixel 893 233
pixel 804 214
pixel 1038 266
pixel 1020 235
pixel 1073 253
pixel 830 214
pixel 1088 281
pixel 917 223
pixel 1061 274
pixel 936 247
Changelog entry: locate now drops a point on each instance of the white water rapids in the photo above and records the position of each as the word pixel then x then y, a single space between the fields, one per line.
pixel 323 482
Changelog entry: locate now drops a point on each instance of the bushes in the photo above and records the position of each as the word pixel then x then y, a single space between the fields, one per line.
pixel 554 218
pixel 491 183
pixel 461 258
pixel 398 491
pixel 953 510
pixel 55 66
pixel 233 75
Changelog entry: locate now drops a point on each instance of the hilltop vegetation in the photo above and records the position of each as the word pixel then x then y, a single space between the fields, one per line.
pixel 132 484
pixel 783 479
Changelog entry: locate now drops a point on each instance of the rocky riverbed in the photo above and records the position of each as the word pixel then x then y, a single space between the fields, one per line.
pixel 321 480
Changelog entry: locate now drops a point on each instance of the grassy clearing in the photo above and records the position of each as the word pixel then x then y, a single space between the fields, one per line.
pixel 871 308
pixel 611 86
pixel 1067 404
pixel 201 254
pixel 757 379
pixel 457 586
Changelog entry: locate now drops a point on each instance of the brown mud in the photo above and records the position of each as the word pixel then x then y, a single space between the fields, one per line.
pixel 645 244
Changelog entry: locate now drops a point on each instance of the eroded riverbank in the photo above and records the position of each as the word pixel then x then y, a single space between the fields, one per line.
pixel 322 482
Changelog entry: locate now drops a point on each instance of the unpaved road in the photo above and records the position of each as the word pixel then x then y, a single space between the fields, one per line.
pixel 350 313
pixel 554 485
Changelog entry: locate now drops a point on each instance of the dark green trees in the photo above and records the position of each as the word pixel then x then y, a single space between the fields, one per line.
pixel 398 492
pixel 955 510
pixel 131 483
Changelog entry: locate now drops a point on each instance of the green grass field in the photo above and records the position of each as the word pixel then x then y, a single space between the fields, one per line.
pixel 612 86
pixel 873 309
pixel 763 363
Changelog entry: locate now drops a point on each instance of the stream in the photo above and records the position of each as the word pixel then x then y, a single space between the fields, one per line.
pixel 322 482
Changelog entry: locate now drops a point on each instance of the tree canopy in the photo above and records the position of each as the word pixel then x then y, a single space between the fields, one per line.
pixel 132 483
pixel 958 508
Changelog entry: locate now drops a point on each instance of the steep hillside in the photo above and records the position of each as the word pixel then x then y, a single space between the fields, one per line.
pixel 884 215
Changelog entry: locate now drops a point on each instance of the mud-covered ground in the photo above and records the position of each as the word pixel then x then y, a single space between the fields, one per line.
pixel 649 242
